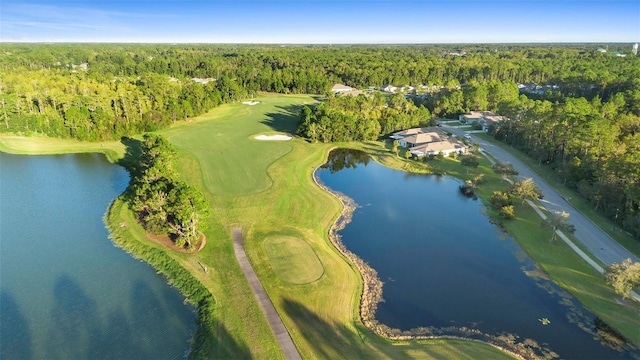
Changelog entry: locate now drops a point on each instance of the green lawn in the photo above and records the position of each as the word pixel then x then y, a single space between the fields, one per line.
pixel 40 145
pixel 282 213
pixel 266 188
pixel 293 260
pixel 572 196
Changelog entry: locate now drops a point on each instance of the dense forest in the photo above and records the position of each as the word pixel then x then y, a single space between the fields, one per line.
pixel 349 118
pixel 585 124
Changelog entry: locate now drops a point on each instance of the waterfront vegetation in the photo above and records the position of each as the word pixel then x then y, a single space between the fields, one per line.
pixel 322 316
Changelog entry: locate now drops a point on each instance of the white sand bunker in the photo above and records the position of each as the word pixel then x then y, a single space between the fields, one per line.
pixel 273 137
pixel 251 102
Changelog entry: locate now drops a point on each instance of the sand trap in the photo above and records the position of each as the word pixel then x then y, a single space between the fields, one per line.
pixel 251 102
pixel 273 137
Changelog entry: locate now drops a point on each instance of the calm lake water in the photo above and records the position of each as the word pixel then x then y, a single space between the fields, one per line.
pixel 66 292
pixel 443 264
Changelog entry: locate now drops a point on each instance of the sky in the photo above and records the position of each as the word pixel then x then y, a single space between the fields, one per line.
pixel 320 21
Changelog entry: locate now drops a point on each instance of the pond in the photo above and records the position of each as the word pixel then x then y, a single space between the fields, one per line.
pixel 66 292
pixel 445 266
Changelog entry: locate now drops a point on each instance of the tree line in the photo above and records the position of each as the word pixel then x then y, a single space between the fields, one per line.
pixel 587 130
pixel 592 146
pixel 164 203
pixel 360 118
pixel 129 88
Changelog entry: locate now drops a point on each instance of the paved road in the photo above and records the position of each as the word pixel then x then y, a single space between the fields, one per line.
pixel 282 335
pixel 599 244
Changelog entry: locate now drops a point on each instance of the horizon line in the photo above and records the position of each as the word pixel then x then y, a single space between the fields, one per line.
pixel 309 43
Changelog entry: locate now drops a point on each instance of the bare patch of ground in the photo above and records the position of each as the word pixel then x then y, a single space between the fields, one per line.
pixel 167 242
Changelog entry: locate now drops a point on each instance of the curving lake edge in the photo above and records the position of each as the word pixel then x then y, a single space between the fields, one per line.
pixel 372 291
pixel 176 275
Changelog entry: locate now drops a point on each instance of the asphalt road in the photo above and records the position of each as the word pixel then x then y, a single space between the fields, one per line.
pixel 599 244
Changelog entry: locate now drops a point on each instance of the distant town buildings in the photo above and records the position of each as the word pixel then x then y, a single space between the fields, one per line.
pixel 634 49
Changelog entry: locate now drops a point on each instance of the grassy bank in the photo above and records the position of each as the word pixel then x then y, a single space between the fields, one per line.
pixel 40 145
pixel 556 258
pixel 573 197
pixel 279 208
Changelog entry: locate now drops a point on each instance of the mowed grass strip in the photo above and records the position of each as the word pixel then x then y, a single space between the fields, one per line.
pixel 293 260
pixel 41 145
pixel 232 161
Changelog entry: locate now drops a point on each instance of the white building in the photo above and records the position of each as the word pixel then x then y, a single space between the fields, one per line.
pixel 339 88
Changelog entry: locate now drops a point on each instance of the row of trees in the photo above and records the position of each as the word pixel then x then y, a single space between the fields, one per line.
pixel 98 107
pixel 592 146
pixel 361 118
pixel 591 142
pixel 129 89
pixel 164 203
pixel 313 69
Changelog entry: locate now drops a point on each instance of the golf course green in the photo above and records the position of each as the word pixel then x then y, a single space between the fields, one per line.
pixel 267 189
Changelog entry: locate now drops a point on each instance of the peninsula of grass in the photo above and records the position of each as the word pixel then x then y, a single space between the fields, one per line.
pixel 266 188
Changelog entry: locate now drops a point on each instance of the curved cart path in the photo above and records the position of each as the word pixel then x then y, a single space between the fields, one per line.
pixel 277 326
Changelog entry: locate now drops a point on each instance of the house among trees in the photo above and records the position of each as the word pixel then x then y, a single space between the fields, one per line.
pixel 83 66
pixel 429 141
pixel 389 88
pixel 339 88
pixel 483 118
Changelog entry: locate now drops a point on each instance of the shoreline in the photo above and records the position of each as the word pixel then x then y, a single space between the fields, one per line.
pixel 372 290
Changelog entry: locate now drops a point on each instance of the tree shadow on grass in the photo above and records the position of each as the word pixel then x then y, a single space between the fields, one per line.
pixel 285 119
pixel 332 341
pixel 131 159
pixel 215 342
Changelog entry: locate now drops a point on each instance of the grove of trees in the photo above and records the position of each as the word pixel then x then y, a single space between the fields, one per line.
pixel 361 118
pixel 164 203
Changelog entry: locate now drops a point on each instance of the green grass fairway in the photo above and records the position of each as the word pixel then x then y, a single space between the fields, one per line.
pixel 293 260
pixel 232 161
pixel 266 188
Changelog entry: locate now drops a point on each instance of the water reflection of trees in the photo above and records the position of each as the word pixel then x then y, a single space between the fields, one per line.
pixel 345 158
pixel 577 315
pixel 609 337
